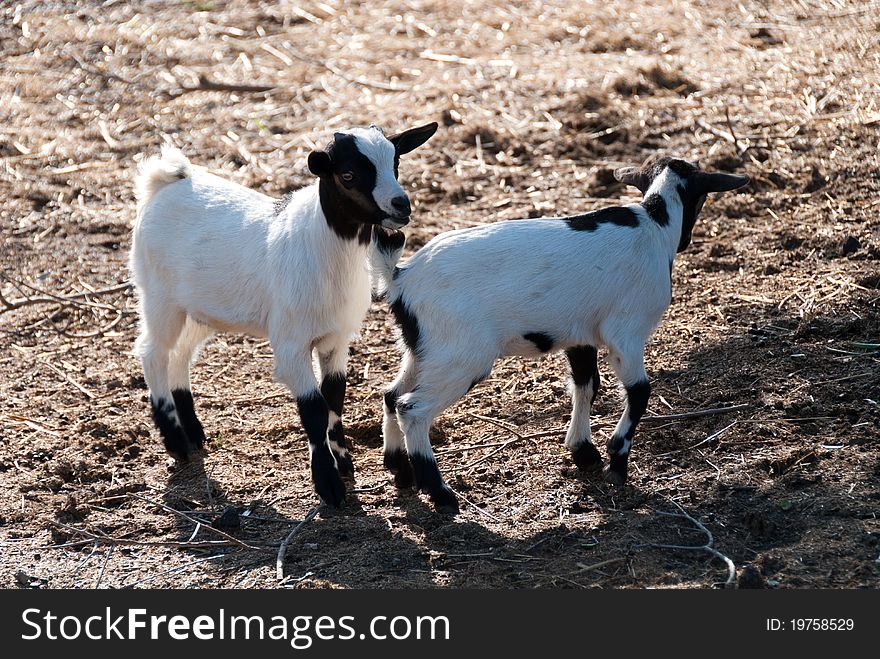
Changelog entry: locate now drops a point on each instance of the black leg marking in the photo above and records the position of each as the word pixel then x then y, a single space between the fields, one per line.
pixel 333 390
pixel 428 479
pixel 619 446
pixel 173 435
pixel 397 463
pixel 314 414
pixel 584 364
pixel 543 342
pixel 186 412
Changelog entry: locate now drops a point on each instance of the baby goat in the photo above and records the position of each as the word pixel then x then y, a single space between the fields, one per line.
pixel 210 255
pixel 531 287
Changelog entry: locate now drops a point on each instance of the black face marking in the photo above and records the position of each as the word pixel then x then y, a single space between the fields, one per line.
pixel 544 342
pixel 428 479
pixel 314 415
pixel 397 462
pixel 365 234
pixel 409 325
pixel 186 412
pixel 346 190
pixel 623 217
pixel 655 206
pixel 690 209
pixel 173 436
pixel 587 457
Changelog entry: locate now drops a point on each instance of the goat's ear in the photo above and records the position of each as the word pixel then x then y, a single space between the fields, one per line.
pixel 320 164
pixel 717 182
pixel 413 138
pixel 633 176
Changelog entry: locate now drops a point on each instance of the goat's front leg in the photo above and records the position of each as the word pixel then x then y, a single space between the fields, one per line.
pixel 629 366
pixel 393 441
pixel 333 363
pixel 584 366
pixel 293 367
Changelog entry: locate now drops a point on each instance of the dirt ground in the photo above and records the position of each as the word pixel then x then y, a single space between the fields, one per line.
pixel 776 304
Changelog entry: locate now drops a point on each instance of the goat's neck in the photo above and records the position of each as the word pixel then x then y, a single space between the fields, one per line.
pixel 664 202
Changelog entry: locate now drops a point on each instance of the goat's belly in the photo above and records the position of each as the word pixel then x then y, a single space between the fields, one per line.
pixel 238 326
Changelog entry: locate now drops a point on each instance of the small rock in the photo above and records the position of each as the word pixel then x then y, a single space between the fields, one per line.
pixel 750 577
pixel 850 246
pixel 229 519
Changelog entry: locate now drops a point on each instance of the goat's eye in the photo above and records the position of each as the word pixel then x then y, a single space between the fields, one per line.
pixel 347 176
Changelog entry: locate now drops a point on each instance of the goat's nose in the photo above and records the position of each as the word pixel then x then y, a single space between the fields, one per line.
pixel 401 205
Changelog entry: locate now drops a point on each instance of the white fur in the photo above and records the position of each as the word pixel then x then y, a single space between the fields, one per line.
pixel 210 255
pixel 475 293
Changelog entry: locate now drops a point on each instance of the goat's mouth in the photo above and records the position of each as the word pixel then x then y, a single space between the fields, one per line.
pixel 391 222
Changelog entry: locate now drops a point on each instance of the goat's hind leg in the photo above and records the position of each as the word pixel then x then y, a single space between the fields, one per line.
pixel 584 368
pixel 629 366
pixel 394 443
pixel 185 352
pixel 161 327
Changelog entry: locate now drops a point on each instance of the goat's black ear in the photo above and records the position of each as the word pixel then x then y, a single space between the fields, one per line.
pixel 413 138
pixel 633 176
pixel 717 182
pixel 320 164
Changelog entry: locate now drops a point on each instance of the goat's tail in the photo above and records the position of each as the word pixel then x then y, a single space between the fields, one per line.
pixel 158 171
pixel 384 254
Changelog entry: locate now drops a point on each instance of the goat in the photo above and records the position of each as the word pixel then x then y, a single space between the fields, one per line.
pixel 532 287
pixel 210 255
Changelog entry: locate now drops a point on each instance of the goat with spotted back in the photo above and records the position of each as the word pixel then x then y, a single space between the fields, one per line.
pixel 531 287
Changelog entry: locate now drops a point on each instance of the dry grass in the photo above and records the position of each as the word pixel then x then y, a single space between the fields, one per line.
pixel 538 101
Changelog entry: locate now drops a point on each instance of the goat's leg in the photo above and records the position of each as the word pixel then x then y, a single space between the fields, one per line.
pixel 160 328
pixel 293 367
pixel 629 366
pixel 438 385
pixel 582 361
pixel 333 364
pixel 394 448
pixel 185 352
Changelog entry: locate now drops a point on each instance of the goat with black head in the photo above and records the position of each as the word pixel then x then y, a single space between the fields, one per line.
pixel 210 255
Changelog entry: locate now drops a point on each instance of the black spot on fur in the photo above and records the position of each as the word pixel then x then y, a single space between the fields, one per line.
pixel 173 435
pixel 637 401
pixel 544 342
pixel 655 206
pixel 389 242
pixel 584 364
pixel 397 462
pixel 428 479
pixel 183 401
pixel 409 325
pixel 314 415
pixel 618 215
pixel 390 398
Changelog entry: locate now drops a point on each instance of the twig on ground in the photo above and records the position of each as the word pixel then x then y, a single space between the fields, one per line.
pixel 104 567
pixel 173 570
pixel 696 413
pixel 708 546
pixel 282 550
pixel 223 534
pixel 595 566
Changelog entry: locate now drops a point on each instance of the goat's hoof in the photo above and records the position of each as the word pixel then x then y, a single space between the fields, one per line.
pixel 613 477
pixel 331 489
pixel 397 462
pixel 345 466
pixel 445 501
pixel 587 458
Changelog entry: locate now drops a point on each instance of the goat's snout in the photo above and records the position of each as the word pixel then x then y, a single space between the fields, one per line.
pixel 401 206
